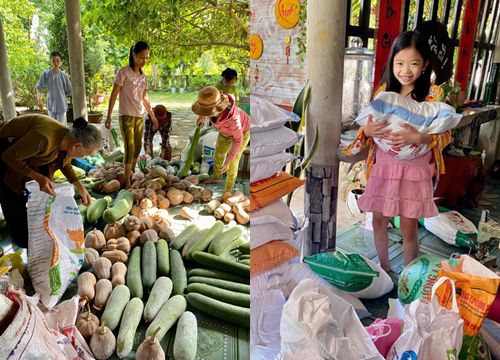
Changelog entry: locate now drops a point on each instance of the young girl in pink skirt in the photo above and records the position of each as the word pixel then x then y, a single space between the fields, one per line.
pixel 396 186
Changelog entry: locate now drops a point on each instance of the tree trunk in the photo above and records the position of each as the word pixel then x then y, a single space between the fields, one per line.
pixel 6 93
pixel 325 40
pixel 75 49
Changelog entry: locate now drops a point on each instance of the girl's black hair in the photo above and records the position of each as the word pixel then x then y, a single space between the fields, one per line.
pixel 422 84
pixel 229 74
pixel 136 49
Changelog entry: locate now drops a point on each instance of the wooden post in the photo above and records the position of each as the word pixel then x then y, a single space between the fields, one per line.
pixel 6 93
pixel 326 27
pixel 75 49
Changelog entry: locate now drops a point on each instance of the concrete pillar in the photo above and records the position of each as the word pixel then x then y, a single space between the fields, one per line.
pixel 75 47
pixel 326 27
pixel 6 93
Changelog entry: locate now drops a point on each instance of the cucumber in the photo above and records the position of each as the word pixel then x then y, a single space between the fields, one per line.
pixel 186 337
pixel 227 296
pixel 83 212
pixel 134 278
pixel 114 307
pixel 130 321
pixel 234 314
pixel 178 273
pixel 163 257
pixel 244 248
pixel 186 234
pixel 203 176
pixel 245 256
pixel 195 239
pixel 221 243
pixel 217 274
pixel 224 284
pixel 148 265
pixel 167 316
pixel 158 297
pixel 245 261
pixel 234 245
pixel 216 262
pixel 121 207
pixel 192 149
pixel 214 232
pixel 97 208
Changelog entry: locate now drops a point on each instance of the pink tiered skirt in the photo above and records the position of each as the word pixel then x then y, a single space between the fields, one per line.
pixel 400 187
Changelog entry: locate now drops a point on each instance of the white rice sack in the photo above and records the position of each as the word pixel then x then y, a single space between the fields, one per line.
pixel 264 229
pixel 353 273
pixel 278 209
pixel 452 227
pixel 271 142
pixel 265 167
pixel 425 117
pixel 265 115
pixel 56 241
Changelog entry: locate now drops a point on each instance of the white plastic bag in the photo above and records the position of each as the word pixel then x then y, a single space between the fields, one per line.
pixel 265 319
pixel 56 241
pixel 430 330
pixel 317 324
pixel 452 227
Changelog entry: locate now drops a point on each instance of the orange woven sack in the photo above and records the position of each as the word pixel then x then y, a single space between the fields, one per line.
pixel 270 255
pixel 267 191
pixel 476 290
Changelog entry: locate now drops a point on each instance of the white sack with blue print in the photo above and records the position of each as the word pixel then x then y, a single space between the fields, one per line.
pixel 425 117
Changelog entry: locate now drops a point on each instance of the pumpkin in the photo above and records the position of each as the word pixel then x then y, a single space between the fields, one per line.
pixel 150 235
pixel 132 223
pixel 133 237
pixel 175 196
pixel 146 224
pixel 122 243
pixel 95 239
pixel 114 230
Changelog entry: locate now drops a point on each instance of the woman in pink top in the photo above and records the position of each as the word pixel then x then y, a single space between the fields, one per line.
pixel 233 125
pixel 131 84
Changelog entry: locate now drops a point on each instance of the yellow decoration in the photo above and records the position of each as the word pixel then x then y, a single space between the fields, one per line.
pixel 287 13
pixel 288 39
pixel 256 46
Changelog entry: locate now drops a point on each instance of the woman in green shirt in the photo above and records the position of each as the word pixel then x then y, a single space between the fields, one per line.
pixel 33 147
pixel 227 84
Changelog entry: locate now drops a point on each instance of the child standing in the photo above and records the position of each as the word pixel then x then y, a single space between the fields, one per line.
pixel 403 187
pixel 58 85
pixel 131 84
pixel 227 84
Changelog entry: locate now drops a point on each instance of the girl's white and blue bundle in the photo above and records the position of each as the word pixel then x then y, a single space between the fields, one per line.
pixel 425 117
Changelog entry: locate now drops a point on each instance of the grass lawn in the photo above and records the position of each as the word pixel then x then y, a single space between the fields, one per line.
pixel 173 100
pixel 168 99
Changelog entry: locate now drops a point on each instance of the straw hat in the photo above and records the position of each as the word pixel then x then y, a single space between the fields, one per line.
pixel 210 102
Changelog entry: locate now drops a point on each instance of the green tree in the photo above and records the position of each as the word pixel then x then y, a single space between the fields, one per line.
pixel 25 61
pixel 179 31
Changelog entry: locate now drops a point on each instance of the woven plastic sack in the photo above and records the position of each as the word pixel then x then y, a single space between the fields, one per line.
pixel 353 273
pixel 425 117
pixel 56 241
